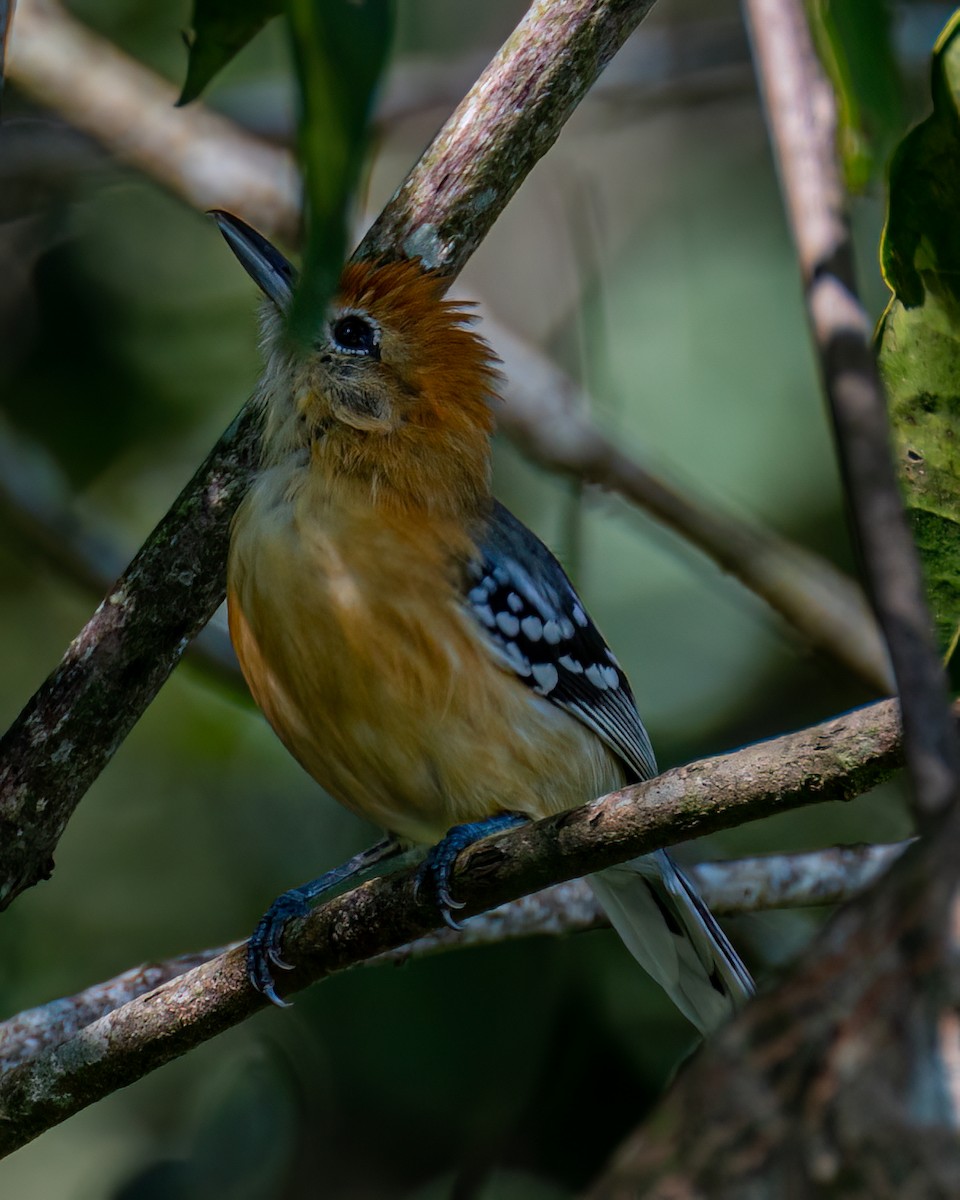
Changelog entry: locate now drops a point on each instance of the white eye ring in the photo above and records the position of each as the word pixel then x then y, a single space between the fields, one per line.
pixel 353 331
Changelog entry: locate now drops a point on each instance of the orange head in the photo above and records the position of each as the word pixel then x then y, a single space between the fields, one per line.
pixel 393 398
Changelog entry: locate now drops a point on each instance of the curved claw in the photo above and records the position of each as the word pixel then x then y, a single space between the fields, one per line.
pixel 438 866
pixel 272 996
pixel 450 920
pixel 264 950
pixel 266 943
pixel 447 901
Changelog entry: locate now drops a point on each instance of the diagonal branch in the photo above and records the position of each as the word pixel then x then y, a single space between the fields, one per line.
pixel 729 887
pixel 74 723
pixel 116 665
pixel 836 760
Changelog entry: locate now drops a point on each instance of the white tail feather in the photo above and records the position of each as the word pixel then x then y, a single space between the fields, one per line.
pixel 673 935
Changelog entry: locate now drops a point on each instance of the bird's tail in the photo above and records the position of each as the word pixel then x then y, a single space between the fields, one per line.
pixel 672 934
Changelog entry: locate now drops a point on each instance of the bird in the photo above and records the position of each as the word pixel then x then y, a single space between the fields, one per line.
pixel 418 650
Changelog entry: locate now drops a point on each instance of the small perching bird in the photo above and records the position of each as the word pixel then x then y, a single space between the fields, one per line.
pixel 415 647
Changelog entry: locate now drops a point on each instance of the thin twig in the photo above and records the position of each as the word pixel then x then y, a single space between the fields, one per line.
pixel 802 118
pixel 728 888
pixel 836 760
pixel 812 877
pixel 81 714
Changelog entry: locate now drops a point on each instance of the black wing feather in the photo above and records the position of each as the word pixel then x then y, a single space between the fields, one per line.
pixel 522 599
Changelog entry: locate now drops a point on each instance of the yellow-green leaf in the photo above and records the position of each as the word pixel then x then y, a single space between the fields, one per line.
pixel 919 348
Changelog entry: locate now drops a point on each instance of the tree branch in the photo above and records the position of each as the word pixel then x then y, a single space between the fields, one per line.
pixel 729 887
pixel 74 723
pixel 836 760
pixel 802 117
pixel 115 666
pixel 509 119
pixel 813 877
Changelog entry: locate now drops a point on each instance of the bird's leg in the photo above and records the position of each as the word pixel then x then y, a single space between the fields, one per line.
pixel 437 867
pixel 264 946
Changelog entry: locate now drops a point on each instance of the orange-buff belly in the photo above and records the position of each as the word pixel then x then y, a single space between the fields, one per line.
pixel 355 646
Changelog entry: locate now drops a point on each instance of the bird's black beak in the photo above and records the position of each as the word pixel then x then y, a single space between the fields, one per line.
pixel 264 263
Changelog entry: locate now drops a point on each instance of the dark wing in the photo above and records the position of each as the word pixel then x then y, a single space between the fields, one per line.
pixel 536 623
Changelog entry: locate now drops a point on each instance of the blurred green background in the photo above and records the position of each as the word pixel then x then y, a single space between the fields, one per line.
pixel 648 253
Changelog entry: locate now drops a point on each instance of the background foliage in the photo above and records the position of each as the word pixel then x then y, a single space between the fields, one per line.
pixel 649 254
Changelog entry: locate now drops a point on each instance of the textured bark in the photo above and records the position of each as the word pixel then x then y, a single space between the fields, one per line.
pixel 728 887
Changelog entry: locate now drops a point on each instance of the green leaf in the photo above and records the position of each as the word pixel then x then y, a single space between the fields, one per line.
pixel 919 350
pixel 221 29
pixel 340 48
pixel 855 46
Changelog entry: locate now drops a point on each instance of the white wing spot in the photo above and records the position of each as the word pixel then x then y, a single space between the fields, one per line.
pixel 514 603
pixel 595 675
pixel 580 616
pixel 551 632
pixel 532 628
pixel 507 623
pixel 546 676
pixel 571 664
pixel 611 676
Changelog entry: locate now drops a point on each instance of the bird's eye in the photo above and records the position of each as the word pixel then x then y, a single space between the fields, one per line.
pixel 355 334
